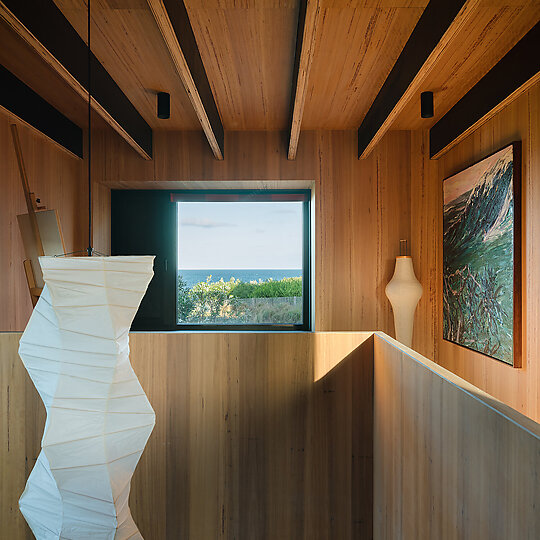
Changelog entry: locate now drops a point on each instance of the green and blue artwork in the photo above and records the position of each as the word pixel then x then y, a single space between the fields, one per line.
pixel 481 256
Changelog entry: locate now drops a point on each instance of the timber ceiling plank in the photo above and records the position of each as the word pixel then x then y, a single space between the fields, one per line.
pixel 495 28
pixel 46 29
pixel 356 46
pixel 175 27
pixel 247 48
pixel 127 41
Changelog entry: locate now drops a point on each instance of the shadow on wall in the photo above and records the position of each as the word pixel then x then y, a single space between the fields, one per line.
pixel 340 428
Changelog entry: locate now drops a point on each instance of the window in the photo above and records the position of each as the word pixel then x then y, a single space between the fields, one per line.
pixel 224 259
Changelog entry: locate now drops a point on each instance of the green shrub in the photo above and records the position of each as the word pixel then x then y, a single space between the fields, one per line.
pixel 286 287
pixel 221 301
pixel 185 303
pixel 209 297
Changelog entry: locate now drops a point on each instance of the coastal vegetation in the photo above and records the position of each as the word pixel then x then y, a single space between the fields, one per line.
pixel 239 302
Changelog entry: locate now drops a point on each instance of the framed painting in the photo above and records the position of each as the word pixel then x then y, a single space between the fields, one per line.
pixel 482 256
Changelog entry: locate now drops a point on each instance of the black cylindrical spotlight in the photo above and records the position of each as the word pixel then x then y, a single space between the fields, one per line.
pixel 163 105
pixel 426 104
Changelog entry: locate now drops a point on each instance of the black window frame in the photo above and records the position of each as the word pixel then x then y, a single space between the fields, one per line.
pixel 165 278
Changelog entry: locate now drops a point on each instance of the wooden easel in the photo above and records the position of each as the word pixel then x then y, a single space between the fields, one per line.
pixel 40 229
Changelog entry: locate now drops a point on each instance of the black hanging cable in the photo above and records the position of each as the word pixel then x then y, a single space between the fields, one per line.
pixel 89 248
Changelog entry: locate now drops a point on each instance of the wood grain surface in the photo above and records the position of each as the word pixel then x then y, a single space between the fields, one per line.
pixel 57 178
pixel 57 34
pixel 22 60
pixel 450 462
pixel 356 46
pixel 127 41
pixel 361 207
pixel 491 31
pixel 247 49
pixel 518 121
pixel 305 45
pixel 176 30
pixel 247 444
pixel 283 436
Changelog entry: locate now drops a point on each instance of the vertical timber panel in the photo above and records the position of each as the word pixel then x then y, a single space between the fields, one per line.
pixel 450 461
pixel 246 442
pixel 520 120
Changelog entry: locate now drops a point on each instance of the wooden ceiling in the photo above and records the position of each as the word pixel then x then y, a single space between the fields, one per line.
pixel 126 40
pixel 355 49
pixel 493 30
pixel 248 51
pixel 19 58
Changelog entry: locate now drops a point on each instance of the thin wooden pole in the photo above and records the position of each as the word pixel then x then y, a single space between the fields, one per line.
pixel 26 189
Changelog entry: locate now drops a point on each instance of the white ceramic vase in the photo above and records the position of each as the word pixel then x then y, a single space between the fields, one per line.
pixel 404 291
pixel 76 351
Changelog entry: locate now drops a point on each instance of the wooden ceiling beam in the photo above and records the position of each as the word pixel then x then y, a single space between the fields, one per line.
pixel 44 27
pixel 20 100
pixel 440 22
pixel 308 18
pixel 512 76
pixel 173 22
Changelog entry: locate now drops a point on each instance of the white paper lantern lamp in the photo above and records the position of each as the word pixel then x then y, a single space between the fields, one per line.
pixel 76 351
pixel 404 292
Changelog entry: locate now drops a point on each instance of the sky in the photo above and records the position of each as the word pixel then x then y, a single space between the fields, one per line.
pixel 223 235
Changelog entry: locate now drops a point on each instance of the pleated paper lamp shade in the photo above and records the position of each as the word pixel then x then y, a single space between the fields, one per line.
pixel 76 351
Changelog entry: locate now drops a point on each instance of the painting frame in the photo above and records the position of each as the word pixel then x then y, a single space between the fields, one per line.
pixel 516 234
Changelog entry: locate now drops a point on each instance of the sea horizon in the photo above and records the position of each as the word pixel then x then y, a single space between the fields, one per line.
pixel 196 275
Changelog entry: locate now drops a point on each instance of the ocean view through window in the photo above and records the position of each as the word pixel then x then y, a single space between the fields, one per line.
pixel 243 259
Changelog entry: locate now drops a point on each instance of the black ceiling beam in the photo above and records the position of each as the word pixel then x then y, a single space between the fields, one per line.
pixel 490 94
pixel 435 21
pixel 41 23
pixel 21 101
pixel 175 27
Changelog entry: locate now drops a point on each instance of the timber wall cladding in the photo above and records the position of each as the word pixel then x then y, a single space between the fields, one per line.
pixel 362 207
pixel 518 121
pixel 56 178
pixel 257 436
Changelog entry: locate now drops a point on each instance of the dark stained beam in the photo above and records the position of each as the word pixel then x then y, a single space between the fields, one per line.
pixel 45 28
pixel 514 74
pixel 439 23
pixel 308 18
pixel 173 22
pixel 21 101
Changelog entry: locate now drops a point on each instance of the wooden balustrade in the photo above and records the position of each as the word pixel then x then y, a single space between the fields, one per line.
pixel 302 435
pixel 450 461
